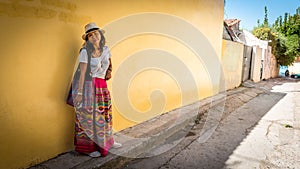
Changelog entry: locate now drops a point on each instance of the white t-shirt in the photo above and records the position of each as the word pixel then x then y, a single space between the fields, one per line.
pixel 99 65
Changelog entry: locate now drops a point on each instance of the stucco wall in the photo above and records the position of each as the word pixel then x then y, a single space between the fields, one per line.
pixel 267 65
pixel 270 69
pixel 40 44
pixel 232 62
pixel 256 64
pixel 275 68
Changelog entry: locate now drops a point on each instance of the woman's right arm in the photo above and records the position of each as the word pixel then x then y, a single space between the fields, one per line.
pixel 83 67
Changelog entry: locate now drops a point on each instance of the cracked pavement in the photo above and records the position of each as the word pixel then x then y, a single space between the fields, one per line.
pixel 261 131
pixel 275 141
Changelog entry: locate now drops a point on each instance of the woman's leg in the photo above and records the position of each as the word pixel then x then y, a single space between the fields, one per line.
pixel 103 117
pixel 83 144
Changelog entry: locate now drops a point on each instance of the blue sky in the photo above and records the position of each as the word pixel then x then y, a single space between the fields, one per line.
pixel 249 11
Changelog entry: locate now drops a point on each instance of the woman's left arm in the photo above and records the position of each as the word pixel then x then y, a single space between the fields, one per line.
pixel 108 71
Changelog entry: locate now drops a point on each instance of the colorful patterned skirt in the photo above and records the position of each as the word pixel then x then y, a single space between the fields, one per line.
pixel 93 123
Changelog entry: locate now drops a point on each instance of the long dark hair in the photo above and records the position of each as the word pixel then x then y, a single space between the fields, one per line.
pixel 90 49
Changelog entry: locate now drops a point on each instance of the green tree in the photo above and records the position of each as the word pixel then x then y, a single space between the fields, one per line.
pixel 294 25
pixel 262 33
pixel 280 21
pixel 292 45
pixel 285 22
pixel 279 49
pixel 266 22
pixel 284 36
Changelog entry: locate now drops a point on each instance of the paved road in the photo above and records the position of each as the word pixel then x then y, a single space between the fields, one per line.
pixel 275 141
pixel 263 133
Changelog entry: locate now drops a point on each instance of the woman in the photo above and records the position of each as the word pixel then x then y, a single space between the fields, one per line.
pixel 93 124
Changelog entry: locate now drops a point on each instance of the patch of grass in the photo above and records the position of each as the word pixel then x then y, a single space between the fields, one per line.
pixel 288 126
pixel 200 116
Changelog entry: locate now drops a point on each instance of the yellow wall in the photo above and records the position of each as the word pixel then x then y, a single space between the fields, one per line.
pixel 40 43
pixel 232 62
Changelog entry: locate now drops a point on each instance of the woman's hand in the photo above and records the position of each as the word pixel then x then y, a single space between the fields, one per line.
pixel 108 75
pixel 78 100
pixel 108 72
pixel 78 97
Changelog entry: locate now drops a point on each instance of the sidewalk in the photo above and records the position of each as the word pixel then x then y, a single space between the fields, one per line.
pixel 145 136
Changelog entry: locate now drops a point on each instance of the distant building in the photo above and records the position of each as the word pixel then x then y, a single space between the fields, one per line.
pixel 233 24
pixel 231 30
pixel 295 67
pixel 258 61
pixel 250 40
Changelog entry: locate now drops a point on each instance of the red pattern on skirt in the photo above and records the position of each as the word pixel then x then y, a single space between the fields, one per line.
pixel 93 123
